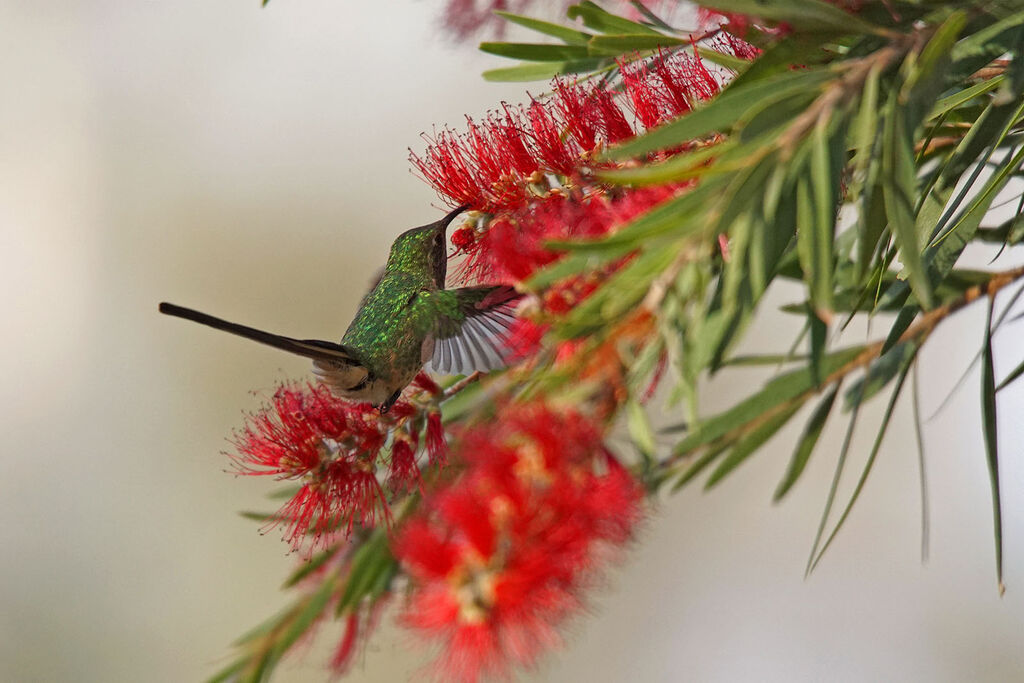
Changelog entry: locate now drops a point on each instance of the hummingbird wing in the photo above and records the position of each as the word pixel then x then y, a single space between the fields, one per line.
pixel 472 329
pixel 310 348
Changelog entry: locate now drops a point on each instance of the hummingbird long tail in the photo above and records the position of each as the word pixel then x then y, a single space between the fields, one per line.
pixel 309 348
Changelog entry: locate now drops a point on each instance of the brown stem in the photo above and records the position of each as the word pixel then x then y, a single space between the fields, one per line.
pixel 460 385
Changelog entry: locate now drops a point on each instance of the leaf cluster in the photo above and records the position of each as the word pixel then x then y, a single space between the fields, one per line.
pixel 859 155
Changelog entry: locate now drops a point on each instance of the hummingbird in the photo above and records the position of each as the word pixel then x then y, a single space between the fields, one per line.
pixel 406 321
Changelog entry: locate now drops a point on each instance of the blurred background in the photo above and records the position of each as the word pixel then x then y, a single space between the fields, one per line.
pixel 252 162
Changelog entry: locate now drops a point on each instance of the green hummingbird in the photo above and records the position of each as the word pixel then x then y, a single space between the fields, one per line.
pixel 407 320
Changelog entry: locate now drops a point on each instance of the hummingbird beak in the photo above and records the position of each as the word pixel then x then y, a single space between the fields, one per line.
pixel 446 221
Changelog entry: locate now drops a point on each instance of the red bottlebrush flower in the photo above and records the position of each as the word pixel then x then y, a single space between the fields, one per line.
pixel 556 152
pixel 730 44
pixel 576 107
pixel 643 99
pixel 437 445
pixel 332 447
pixel 499 558
pixel 524 339
pixel 341 660
pixel 667 87
pixel 464 238
pixel 403 473
pixel 359 624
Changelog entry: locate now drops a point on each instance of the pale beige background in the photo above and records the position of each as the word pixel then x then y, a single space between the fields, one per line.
pixel 253 163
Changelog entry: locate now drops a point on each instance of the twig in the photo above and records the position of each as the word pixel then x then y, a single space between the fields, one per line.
pixel 460 385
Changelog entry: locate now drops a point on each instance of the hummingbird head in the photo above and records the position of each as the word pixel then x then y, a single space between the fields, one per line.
pixel 423 249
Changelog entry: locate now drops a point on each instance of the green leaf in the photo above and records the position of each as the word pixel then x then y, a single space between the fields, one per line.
pixel 368 562
pixel 957 99
pixel 886 419
pixel 779 390
pixel 600 20
pixel 987 43
pixel 572 264
pixel 305 618
pixel 698 466
pixel 310 567
pixel 536 52
pixel 819 336
pixel 922 472
pixel 543 71
pixel 635 42
pixel 988 413
pixel 750 443
pixel 766 359
pixel 805 16
pixel 1012 377
pixel 865 132
pixel 570 36
pixel 721 113
pixel 805 446
pixel 833 489
pixel 898 181
pixel 721 59
pixel 639 427
pixel 881 371
pixel 675 215
pixel 650 16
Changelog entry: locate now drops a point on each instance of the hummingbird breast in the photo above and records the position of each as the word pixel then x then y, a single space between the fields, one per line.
pixel 388 333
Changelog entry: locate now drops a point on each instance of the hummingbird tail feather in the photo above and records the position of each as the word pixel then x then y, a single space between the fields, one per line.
pixel 309 348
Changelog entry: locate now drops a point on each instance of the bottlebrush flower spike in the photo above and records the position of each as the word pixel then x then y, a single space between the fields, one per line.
pixel 332 447
pixel 499 558
pixel 557 152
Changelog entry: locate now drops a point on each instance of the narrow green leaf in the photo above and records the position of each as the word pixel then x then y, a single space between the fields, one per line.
pixel 573 264
pixel 922 472
pixel 982 201
pixel 803 15
pixel 957 99
pixel 986 41
pixel 305 617
pixel 819 335
pixel 639 427
pixel 654 19
pixel 601 20
pixel 750 443
pixel 635 42
pixel 1012 377
pixel 833 489
pixel 721 59
pixel 825 182
pixel 881 371
pixel 898 186
pixel 257 516
pixel 870 461
pixel 677 167
pixel 720 113
pixel 698 466
pixel 536 52
pixel 677 215
pixel 766 359
pixel 808 440
pixel 779 390
pixel 989 421
pixel 230 672
pixel 543 71
pixel 865 133
pixel 568 35
pixel 310 567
